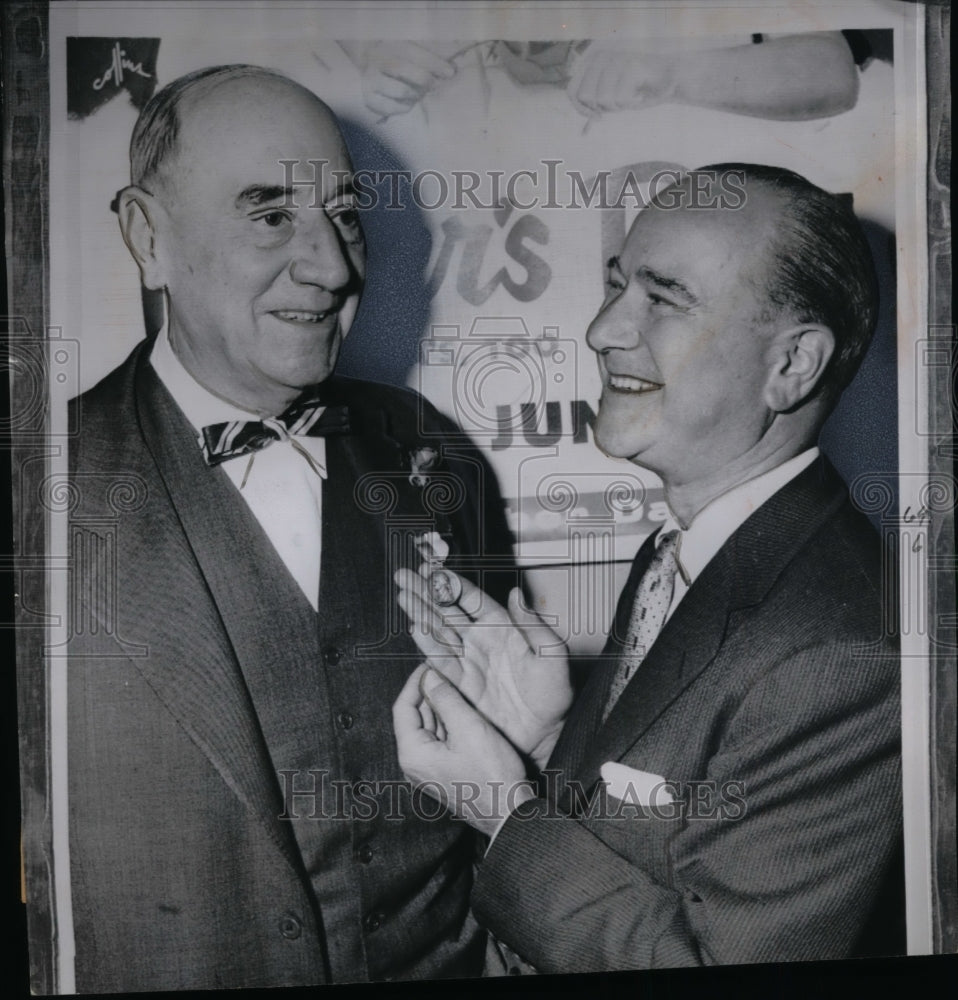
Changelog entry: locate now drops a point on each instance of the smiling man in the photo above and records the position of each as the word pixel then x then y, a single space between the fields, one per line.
pixel 234 811
pixel 726 786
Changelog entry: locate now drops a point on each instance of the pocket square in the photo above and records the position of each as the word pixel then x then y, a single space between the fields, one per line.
pixel 629 784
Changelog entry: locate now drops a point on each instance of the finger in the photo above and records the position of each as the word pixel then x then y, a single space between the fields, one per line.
pixel 432 547
pixel 574 86
pixel 385 107
pixel 539 637
pixel 432 724
pixel 427 628
pixel 475 602
pixel 607 95
pixel 452 710
pixel 409 74
pixel 393 80
pixel 428 718
pixel 450 667
pixel 420 57
pixel 587 85
pixel 407 719
pixel 415 598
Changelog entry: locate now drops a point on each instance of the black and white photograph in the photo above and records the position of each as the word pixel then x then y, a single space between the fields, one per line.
pixel 482 490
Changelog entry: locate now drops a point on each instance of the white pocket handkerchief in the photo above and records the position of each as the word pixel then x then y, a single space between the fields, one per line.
pixel 629 784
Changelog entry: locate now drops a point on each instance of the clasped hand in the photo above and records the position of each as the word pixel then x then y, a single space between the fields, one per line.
pixel 494 690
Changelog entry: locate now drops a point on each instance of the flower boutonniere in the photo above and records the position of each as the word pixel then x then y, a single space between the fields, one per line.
pixel 421 462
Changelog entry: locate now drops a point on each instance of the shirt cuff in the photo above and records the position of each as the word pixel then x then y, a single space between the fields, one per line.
pixel 523 793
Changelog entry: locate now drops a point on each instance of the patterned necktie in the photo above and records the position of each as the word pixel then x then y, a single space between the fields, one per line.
pixel 310 418
pixel 653 597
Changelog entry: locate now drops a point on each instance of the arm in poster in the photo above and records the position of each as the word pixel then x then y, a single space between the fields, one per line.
pixel 790 78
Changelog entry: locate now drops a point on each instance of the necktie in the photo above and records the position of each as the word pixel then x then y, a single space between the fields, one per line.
pixel 653 597
pixel 220 442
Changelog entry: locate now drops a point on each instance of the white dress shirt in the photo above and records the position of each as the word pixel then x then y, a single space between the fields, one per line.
pixel 281 489
pixel 715 523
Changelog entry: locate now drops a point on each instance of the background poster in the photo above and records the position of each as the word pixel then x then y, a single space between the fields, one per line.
pixel 494 191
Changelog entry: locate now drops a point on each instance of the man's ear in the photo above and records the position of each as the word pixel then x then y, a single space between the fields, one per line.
pixel 139 212
pixel 799 357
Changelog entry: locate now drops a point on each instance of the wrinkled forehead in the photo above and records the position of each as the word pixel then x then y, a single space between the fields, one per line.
pixel 698 227
pixel 258 123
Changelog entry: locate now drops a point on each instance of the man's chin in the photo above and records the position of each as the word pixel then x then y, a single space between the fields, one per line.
pixel 304 372
pixel 614 446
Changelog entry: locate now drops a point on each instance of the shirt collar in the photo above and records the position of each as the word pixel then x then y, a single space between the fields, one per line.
pixel 720 519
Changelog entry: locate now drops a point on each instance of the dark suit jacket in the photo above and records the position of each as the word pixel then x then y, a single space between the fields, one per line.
pixel 771 701
pixel 204 690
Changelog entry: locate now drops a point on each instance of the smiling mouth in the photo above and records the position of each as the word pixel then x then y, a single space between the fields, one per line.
pixel 629 383
pixel 302 316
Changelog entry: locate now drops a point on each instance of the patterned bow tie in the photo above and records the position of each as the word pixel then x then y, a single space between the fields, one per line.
pixel 308 418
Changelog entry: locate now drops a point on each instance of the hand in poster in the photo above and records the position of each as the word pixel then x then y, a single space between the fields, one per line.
pixel 612 79
pixel 397 75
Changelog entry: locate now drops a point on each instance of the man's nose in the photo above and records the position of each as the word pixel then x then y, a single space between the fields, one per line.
pixel 617 325
pixel 320 256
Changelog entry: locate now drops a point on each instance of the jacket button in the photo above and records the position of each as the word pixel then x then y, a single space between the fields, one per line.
pixel 373 921
pixel 345 720
pixel 290 927
pixel 365 854
pixel 332 656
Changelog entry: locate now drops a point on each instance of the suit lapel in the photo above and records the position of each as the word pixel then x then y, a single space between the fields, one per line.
pixel 253 597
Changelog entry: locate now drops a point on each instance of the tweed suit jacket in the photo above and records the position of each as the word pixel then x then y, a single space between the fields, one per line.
pixel 770 705
pixel 237 816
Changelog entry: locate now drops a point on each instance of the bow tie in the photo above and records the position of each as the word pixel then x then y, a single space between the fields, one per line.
pixel 309 418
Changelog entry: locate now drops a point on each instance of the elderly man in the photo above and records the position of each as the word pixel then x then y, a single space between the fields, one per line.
pixel 236 816
pixel 726 787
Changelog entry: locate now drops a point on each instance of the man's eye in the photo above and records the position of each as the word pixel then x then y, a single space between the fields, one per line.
pixel 344 215
pixel 346 218
pixel 274 219
pixel 350 217
pixel 614 287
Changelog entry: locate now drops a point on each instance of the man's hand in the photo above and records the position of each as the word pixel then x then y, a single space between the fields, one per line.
pixel 397 75
pixel 441 739
pixel 613 79
pixel 510 665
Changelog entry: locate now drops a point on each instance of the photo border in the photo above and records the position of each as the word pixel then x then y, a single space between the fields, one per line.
pixel 30 449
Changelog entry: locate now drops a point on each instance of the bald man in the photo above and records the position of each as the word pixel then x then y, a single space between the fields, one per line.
pixel 236 809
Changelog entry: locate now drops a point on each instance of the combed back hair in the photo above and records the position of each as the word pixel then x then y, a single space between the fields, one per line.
pixel 156 132
pixel 820 268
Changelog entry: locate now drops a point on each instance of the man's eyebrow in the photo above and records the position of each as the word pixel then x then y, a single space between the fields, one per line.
pixel 257 194
pixel 672 285
pixel 345 187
